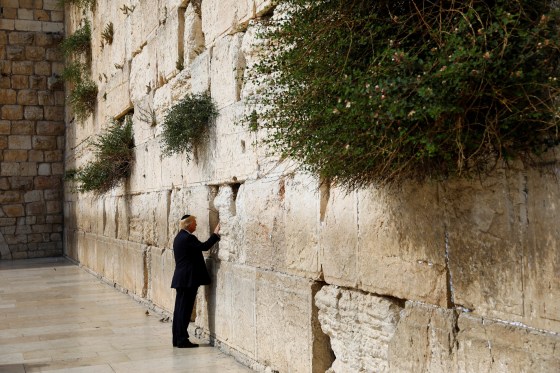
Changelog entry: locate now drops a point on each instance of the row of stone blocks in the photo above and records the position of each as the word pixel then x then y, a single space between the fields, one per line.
pixel 293 324
pixel 32 15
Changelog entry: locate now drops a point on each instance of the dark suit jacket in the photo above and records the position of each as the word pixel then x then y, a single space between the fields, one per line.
pixel 190 268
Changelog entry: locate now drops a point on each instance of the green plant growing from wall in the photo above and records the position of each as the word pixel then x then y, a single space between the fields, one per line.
pixel 79 43
pixel 73 72
pixel 114 156
pixel 83 98
pixel 372 92
pixel 185 125
pixel 82 4
pixel 83 92
pixel 108 33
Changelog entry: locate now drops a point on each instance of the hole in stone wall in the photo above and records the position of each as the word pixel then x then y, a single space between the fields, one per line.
pixel 243 148
pixel 214 214
pixel 323 354
pixel 235 188
pixel 121 116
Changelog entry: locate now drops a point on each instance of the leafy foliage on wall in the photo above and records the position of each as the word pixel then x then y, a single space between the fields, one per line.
pixel 186 123
pixel 114 155
pixel 371 92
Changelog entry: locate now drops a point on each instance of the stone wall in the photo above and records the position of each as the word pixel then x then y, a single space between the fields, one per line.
pixel 451 277
pixel 31 129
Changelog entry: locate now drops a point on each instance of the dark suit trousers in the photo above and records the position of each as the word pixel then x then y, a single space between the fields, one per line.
pixel 184 302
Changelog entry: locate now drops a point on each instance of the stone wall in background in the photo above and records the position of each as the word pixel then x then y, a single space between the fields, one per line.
pixel 31 129
pixel 460 276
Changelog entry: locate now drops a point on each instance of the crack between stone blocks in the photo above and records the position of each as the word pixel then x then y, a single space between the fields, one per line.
pixel 450 289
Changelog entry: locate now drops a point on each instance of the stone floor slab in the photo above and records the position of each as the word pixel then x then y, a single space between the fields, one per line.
pixel 56 317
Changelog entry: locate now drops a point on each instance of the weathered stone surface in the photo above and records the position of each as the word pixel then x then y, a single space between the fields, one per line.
pixel 193 36
pixel 8 97
pixel 200 72
pixel 425 340
pixel 226 70
pixel 338 238
pixel 541 254
pixel 223 16
pixel 301 215
pixel 231 293
pixel 12 112
pixel 143 72
pixel 402 235
pixel 488 346
pixel 261 235
pixel 360 326
pixel 284 305
pixel 161 268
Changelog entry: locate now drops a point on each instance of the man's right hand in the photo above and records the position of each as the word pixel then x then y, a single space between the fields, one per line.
pixel 217 229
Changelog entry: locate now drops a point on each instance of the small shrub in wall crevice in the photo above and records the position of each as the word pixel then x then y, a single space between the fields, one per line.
pixel 82 4
pixel 108 33
pixel 114 155
pixel 83 98
pixel 79 43
pixel 186 123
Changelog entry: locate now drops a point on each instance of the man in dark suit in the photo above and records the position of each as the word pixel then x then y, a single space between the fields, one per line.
pixel 190 273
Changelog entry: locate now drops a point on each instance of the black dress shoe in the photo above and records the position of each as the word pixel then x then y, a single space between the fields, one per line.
pixel 189 344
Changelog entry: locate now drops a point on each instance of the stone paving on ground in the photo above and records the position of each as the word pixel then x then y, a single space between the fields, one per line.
pixel 56 317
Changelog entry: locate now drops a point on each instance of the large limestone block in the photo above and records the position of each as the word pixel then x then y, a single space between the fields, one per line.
pixel 145 19
pixel 402 243
pixel 541 283
pixel 194 43
pixel 110 214
pixel 301 217
pixel 235 156
pixel 81 247
pixel 230 232
pixel 224 16
pixel 147 169
pixel 226 308
pixel 286 336
pixel 87 250
pixel 87 214
pixel 424 340
pixel 114 100
pixel 253 49
pixel 147 218
pixel 133 268
pixel 200 72
pixel 123 213
pixel 145 120
pixel 488 346
pixel 161 265
pixel 360 327
pixel 70 240
pixel 485 244
pixel 261 237
pixel 143 71
pixel 227 69
pixel 107 55
pixel 108 258
pixel 168 37
pixel 338 237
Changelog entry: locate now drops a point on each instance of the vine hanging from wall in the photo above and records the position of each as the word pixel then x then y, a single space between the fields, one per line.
pixel 186 123
pixel 372 92
pixel 114 156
